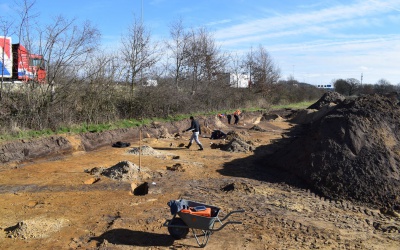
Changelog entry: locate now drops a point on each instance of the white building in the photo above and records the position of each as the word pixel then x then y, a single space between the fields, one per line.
pixel 325 86
pixel 237 80
pixel 151 82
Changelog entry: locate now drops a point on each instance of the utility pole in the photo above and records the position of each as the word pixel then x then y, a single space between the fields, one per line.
pixel 361 77
pixel 293 71
pixel 141 42
pixel 250 65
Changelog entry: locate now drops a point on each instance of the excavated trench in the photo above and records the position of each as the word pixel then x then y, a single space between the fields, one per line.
pixel 295 184
pixel 341 149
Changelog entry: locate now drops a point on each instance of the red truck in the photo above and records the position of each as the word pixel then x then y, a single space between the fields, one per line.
pixel 18 64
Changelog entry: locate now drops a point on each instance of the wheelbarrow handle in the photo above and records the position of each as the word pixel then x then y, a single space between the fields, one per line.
pixel 236 211
pixel 223 225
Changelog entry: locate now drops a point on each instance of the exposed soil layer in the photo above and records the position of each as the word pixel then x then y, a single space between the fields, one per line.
pixel 87 194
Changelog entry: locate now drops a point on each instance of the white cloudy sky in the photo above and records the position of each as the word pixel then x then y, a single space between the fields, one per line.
pixel 314 40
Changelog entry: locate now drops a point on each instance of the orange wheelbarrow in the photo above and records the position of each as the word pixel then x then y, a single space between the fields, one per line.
pixel 198 217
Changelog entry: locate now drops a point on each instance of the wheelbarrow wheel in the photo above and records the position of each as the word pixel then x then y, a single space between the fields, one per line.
pixel 178 232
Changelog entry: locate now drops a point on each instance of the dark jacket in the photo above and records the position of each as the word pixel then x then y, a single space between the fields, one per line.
pixel 194 126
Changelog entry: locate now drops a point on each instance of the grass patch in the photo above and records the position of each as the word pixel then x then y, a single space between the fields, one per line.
pixel 129 123
pixel 299 105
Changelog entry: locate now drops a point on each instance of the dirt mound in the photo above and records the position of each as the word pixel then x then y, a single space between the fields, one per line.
pixel 353 152
pixel 219 122
pixel 305 116
pixel 36 228
pixel 237 145
pixel 236 142
pixel 144 150
pixel 271 117
pixel 126 171
pixel 257 128
pixel 326 99
pixel 163 133
pixel 317 110
pixel 233 135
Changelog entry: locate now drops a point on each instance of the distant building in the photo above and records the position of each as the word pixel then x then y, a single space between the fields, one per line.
pixel 236 80
pixel 326 86
pixel 151 82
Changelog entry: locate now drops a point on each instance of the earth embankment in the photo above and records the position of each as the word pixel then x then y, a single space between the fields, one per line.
pixel 352 152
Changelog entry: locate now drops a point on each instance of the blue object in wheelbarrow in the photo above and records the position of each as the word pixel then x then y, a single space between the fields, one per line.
pixel 193 215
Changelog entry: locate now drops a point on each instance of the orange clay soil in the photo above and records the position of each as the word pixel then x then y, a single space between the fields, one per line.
pixel 60 203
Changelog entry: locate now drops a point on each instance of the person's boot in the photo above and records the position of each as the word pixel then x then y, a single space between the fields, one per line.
pixel 188 146
pixel 201 147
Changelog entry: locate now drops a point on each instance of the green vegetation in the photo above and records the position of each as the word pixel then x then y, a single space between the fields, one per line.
pixel 129 123
pixel 299 105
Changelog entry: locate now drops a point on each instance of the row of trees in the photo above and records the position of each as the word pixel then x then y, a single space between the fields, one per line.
pixel 352 87
pixel 188 55
pixel 89 84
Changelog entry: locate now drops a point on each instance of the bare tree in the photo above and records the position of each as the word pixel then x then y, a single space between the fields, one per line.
pixel 178 45
pixel 66 46
pixel 214 60
pixel 264 70
pixel 103 68
pixel 366 89
pixel 341 86
pixel 138 52
pixel 349 87
pixel 354 86
pixel 5 31
pixel 249 63
pixel 236 67
pixel 26 8
pixel 203 59
pixel 383 86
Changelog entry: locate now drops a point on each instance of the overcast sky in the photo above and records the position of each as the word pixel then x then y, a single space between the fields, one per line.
pixel 316 41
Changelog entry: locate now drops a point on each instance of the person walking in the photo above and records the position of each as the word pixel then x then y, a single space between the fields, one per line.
pixel 195 128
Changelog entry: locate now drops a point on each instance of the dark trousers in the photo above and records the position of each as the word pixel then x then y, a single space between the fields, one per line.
pixel 236 119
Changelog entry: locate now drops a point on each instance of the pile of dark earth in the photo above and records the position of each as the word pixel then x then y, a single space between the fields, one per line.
pixel 352 152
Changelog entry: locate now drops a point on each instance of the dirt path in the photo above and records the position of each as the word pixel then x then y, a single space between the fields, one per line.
pixel 57 203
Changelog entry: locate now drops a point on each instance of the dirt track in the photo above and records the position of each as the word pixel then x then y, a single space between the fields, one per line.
pixel 60 205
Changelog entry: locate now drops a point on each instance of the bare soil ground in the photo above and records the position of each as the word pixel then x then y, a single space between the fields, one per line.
pixel 69 202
